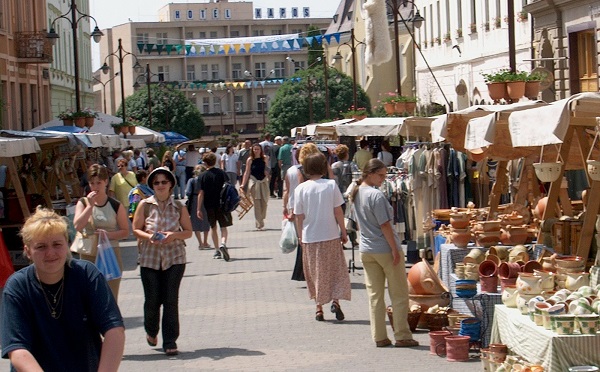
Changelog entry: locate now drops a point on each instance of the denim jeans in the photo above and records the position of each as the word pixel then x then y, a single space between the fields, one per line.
pixel 161 287
pixel 181 182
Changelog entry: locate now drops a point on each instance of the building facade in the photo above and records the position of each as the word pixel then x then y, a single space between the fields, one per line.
pixel 62 68
pixel 239 101
pixel 25 54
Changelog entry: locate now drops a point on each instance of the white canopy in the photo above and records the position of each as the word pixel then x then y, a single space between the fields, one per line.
pixel 102 125
pixel 323 128
pixel 372 127
pixel 11 147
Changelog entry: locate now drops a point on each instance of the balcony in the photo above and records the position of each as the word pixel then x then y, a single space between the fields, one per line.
pixel 33 47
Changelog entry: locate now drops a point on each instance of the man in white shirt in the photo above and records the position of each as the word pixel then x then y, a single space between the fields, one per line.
pixel 192 158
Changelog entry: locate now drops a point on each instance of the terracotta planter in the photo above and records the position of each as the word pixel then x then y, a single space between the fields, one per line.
pixel 359 117
pixel 497 91
pixel 423 280
pixel 436 338
pixel 489 284
pixel 389 108
pixel 131 129
pixel 457 348
pixel 488 269
pixel 400 107
pixel 89 122
pixel 124 130
pixel 532 89
pixel 68 122
pixel 509 270
pixel 117 130
pixel 515 89
pixel 79 122
pixel 517 234
pixel 410 107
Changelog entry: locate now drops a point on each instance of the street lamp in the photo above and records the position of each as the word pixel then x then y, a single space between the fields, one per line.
pixel 263 99
pixel 416 19
pixel 147 76
pixel 220 97
pixel 120 56
pixel 76 16
pixel 104 88
pixel 353 44
pixel 310 83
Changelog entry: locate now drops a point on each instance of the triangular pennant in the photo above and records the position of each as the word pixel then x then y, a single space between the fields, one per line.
pixel 319 39
pixel 291 43
pixel 192 85
pixel 169 48
pixel 187 49
pixel 309 40
pixel 262 83
pixel 159 48
pixel 247 47
pixel 178 48
pixel 193 50
pixel 141 47
pixel 149 48
pixel 221 49
pixel 275 45
pixel 211 50
pixel 280 81
pixel 328 38
pixel 336 36
pixel 237 48
pixel 222 85
pixel 299 43
pixel 202 51
pixel 226 48
pixel 235 85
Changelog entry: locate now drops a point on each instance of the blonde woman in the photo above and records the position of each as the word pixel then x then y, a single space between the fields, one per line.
pixel 57 306
pixel 97 212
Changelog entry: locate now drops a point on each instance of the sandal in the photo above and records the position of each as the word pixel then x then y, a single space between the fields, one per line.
pixel 152 341
pixel 171 352
pixel 335 308
pixel 319 316
pixel 383 343
pixel 406 343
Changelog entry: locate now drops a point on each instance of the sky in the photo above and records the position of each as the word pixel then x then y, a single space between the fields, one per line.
pixel 110 13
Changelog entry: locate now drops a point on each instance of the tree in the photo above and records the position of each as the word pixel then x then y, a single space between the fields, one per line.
pixel 316 49
pixel 290 107
pixel 171 111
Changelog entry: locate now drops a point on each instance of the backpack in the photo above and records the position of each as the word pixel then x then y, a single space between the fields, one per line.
pixel 230 199
pixel 345 177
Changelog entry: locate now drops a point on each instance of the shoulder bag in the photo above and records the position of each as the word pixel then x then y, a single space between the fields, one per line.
pixel 84 243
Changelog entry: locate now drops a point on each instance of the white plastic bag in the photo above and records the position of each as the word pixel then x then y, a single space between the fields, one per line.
pixel 289 238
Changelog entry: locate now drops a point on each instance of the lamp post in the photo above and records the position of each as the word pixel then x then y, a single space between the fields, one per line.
pixel 220 97
pixel 147 77
pixel 104 88
pixel 76 16
pixel 122 53
pixel 311 82
pixel 417 21
pixel 353 44
pixel 263 99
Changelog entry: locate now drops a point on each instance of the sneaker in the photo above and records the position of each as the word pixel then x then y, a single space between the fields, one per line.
pixel 224 252
pixel 217 255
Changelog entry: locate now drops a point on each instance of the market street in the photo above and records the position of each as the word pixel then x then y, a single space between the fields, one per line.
pixel 248 315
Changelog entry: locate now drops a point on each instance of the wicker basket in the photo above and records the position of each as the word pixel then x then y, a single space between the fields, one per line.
pixel 436 322
pixel 412 318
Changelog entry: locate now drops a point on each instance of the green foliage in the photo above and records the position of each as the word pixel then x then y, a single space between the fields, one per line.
pixel 505 75
pixel 535 76
pixel 315 50
pixel 289 108
pixel 171 110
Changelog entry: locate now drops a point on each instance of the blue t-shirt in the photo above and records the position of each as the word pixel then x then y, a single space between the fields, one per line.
pixel 72 342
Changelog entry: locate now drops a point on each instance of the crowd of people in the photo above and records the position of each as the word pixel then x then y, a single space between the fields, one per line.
pixel 138 192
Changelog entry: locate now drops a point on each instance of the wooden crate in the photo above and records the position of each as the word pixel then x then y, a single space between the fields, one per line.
pixel 561 237
pixel 574 236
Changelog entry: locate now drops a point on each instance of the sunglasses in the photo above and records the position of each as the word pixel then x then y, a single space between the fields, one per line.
pixel 156 183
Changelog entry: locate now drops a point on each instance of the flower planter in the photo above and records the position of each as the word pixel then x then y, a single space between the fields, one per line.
pixel 389 108
pixel 124 130
pixel 400 107
pixel 117 130
pixel 515 89
pixel 89 122
pixel 532 89
pixel 68 122
pixel 497 91
pixel 79 122
pixel 131 129
pixel 410 107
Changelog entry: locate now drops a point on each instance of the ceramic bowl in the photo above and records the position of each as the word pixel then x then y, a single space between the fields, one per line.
pixel 563 324
pixel 587 324
pixel 570 262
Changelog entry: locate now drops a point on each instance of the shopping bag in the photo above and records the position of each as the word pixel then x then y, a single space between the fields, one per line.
pixel 84 244
pixel 289 238
pixel 106 259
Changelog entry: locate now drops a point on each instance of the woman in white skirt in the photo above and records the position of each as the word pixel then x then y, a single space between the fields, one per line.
pixel 320 225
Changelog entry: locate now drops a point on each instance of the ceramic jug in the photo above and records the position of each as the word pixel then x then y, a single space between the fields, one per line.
pixel 529 284
pixel 547 279
pixel 509 296
pixel 576 280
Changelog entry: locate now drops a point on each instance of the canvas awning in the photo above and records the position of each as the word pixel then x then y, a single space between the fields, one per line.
pixel 372 127
pixel 11 147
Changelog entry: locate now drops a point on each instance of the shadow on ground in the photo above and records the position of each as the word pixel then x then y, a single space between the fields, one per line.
pixel 214 354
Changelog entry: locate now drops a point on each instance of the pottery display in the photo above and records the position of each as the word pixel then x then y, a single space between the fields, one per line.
pixel 518 253
pixel 459 270
pixel 570 262
pixel 523 302
pixel 509 296
pixel 532 266
pixel 459 220
pixel 509 269
pixel 574 281
pixel 487 269
pixel 512 219
pixel 423 280
pixel 549 264
pixel 460 237
pixel 493 258
pixel 580 306
pixel 547 279
pixel 499 251
pixel 487 239
pixel 489 284
pixel 587 324
pixel 487 226
pixel 475 256
pixel 563 324
pixel 516 234
pixel 427 301
pixel 529 284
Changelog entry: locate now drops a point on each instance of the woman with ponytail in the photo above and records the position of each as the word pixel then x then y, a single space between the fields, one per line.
pixel 382 256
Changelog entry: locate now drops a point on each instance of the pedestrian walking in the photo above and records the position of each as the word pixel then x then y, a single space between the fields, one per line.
pixel 200 227
pixel 257 178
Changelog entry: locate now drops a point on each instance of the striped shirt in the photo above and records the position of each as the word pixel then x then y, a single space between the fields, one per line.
pixel 162 256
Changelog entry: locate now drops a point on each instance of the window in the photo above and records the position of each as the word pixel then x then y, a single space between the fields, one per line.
pixel 190 14
pixel 213 34
pixel 205 105
pixel 215 13
pixel 279 69
pixel 297 31
pixel 177 14
pixel 234 33
pixel 473 12
pixel 258 32
pixel 214 68
pixel 236 71
pixel 194 101
pixel 189 35
pixel 448 17
pixel 299 65
pixel 261 102
pixel 202 35
pixel 163 73
pixel 191 72
pixel 142 38
pixel 586 55
pixel 276 32
pixel 161 38
pixel 486 11
pixel 227 13
pixel 459 12
pixel 216 105
pixel 202 13
pixel 238 103
pixel 203 72
pixel 260 70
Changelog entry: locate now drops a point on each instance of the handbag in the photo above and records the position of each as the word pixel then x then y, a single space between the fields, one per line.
pixel 84 243
pixel 106 259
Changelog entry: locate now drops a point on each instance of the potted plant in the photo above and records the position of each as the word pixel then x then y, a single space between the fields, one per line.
pixel 447 37
pixel 131 124
pixel 522 16
pixel 79 118
pixel 358 113
pixel 486 26
pixel 473 28
pixel 497 22
pixel 406 104
pixel 66 116
pixel 389 100
pixel 532 85
pixel 515 84
pixel 496 83
pixel 117 127
pixel 459 32
pixel 90 117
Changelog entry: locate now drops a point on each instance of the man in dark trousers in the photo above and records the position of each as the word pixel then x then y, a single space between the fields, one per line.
pixel 210 184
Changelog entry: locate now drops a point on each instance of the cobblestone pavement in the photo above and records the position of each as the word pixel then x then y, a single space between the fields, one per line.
pixel 247 315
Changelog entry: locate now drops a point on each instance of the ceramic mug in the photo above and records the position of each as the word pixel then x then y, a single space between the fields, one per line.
pixel 586 290
pixel 533 300
pixel 475 256
pixel 580 307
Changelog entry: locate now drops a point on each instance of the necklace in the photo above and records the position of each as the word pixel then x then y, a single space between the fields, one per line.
pixel 54 300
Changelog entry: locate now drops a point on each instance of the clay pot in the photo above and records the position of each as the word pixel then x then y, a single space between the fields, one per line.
pixel 569 262
pixel 489 284
pixel 530 266
pixel 436 338
pixel 504 237
pixel 423 280
pixel 487 226
pixel 493 258
pixel 459 220
pixel 457 348
pixel 501 252
pixel 488 269
pixel 509 270
pixel 513 219
pixel 516 234
pixel 487 239
pixel 460 237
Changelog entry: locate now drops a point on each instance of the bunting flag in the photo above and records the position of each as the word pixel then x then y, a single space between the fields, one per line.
pixel 237 48
pixel 226 48
pixel 169 48
pixel 141 47
pixel 149 48
pixel 159 48
pixel 327 38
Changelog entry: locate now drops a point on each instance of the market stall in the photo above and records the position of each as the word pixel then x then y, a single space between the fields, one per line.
pixel 371 127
